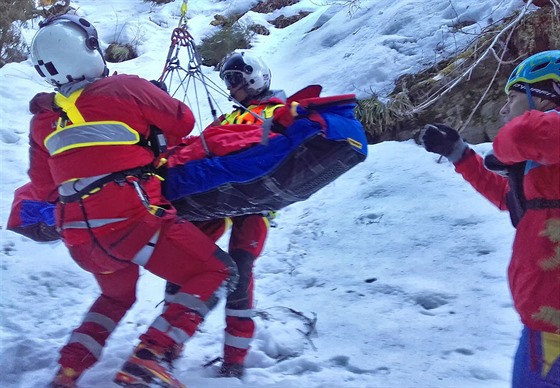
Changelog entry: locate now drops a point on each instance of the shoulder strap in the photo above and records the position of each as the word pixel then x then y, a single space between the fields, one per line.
pixel 515 197
pixel 68 105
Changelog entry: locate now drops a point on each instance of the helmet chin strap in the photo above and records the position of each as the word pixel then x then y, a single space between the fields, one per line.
pixel 529 96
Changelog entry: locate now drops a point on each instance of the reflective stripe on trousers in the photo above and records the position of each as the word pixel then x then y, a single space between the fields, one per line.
pixel 95 223
pixel 94 347
pixel 144 255
pixel 237 342
pixel 192 304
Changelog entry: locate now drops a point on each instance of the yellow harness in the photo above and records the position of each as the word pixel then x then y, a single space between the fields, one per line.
pixel 250 115
pixel 82 133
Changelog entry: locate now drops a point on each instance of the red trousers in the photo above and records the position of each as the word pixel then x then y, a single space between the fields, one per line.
pixel 178 252
pixel 248 235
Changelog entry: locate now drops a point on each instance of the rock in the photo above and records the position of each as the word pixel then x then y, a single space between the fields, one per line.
pixel 538 31
pixel 541 3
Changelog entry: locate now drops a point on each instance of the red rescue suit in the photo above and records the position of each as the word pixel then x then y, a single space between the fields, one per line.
pixel 247 239
pixel 534 270
pixel 248 235
pixel 112 216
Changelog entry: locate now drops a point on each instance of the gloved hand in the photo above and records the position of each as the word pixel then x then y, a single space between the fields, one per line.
pixel 283 117
pixel 270 216
pixel 443 140
pixel 39 232
pixel 493 164
pixel 160 85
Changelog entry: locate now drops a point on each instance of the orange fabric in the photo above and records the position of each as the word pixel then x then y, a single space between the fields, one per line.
pixel 247 117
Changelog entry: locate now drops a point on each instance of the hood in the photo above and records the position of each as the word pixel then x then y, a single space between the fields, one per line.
pixel 42 102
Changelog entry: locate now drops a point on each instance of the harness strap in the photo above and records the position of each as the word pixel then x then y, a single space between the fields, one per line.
pixel 68 105
pixel 119 176
pixel 542 203
pixel 239 116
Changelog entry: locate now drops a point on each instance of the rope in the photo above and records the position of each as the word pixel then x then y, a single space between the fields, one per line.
pixel 190 76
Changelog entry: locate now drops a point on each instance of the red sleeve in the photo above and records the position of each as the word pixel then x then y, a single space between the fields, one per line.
pixel 532 136
pixel 172 116
pixel 139 103
pixel 492 186
pixel 43 187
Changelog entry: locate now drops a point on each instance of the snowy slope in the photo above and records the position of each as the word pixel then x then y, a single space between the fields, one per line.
pixel 400 262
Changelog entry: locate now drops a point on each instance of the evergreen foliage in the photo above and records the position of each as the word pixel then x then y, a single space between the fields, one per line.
pixel 117 52
pixel 229 38
pixel 12 14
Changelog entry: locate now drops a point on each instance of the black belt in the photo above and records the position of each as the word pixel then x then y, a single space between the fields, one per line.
pixel 118 177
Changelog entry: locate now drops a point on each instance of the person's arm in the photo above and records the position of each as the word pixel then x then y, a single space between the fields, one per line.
pixel 532 136
pixel 445 141
pixel 44 186
pixel 158 108
pixel 32 212
pixel 492 186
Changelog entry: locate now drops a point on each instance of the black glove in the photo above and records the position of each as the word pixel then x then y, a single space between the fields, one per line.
pixel 39 232
pixel 443 140
pixel 160 85
pixel 492 163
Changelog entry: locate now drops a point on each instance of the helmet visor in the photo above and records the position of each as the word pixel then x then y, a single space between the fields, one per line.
pixel 233 79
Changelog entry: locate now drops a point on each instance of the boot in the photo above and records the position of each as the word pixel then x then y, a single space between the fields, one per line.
pixel 146 368
pixel 65 378
pixel 229 369
pixel 174 353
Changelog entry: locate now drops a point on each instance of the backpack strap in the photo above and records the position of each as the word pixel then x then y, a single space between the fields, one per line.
pixel 542 203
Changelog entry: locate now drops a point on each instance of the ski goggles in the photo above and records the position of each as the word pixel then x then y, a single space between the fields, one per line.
pixel 92 41
pixel 233 79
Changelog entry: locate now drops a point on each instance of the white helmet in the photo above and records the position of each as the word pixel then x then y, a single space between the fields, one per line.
pixel 66 49
pixel 242 68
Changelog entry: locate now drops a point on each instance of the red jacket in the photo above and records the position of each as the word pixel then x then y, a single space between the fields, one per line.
pixel 534 270
pixel 125 99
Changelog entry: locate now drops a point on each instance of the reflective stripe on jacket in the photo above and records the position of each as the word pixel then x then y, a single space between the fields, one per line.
pixel 250 116
pixel 85 134
pixel 128 106
pixel 95 133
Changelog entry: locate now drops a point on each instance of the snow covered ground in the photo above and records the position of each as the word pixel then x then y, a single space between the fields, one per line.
pixel 400 262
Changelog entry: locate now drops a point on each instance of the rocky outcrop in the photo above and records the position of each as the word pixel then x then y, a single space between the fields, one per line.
pixel 473 104
pixel 268 6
